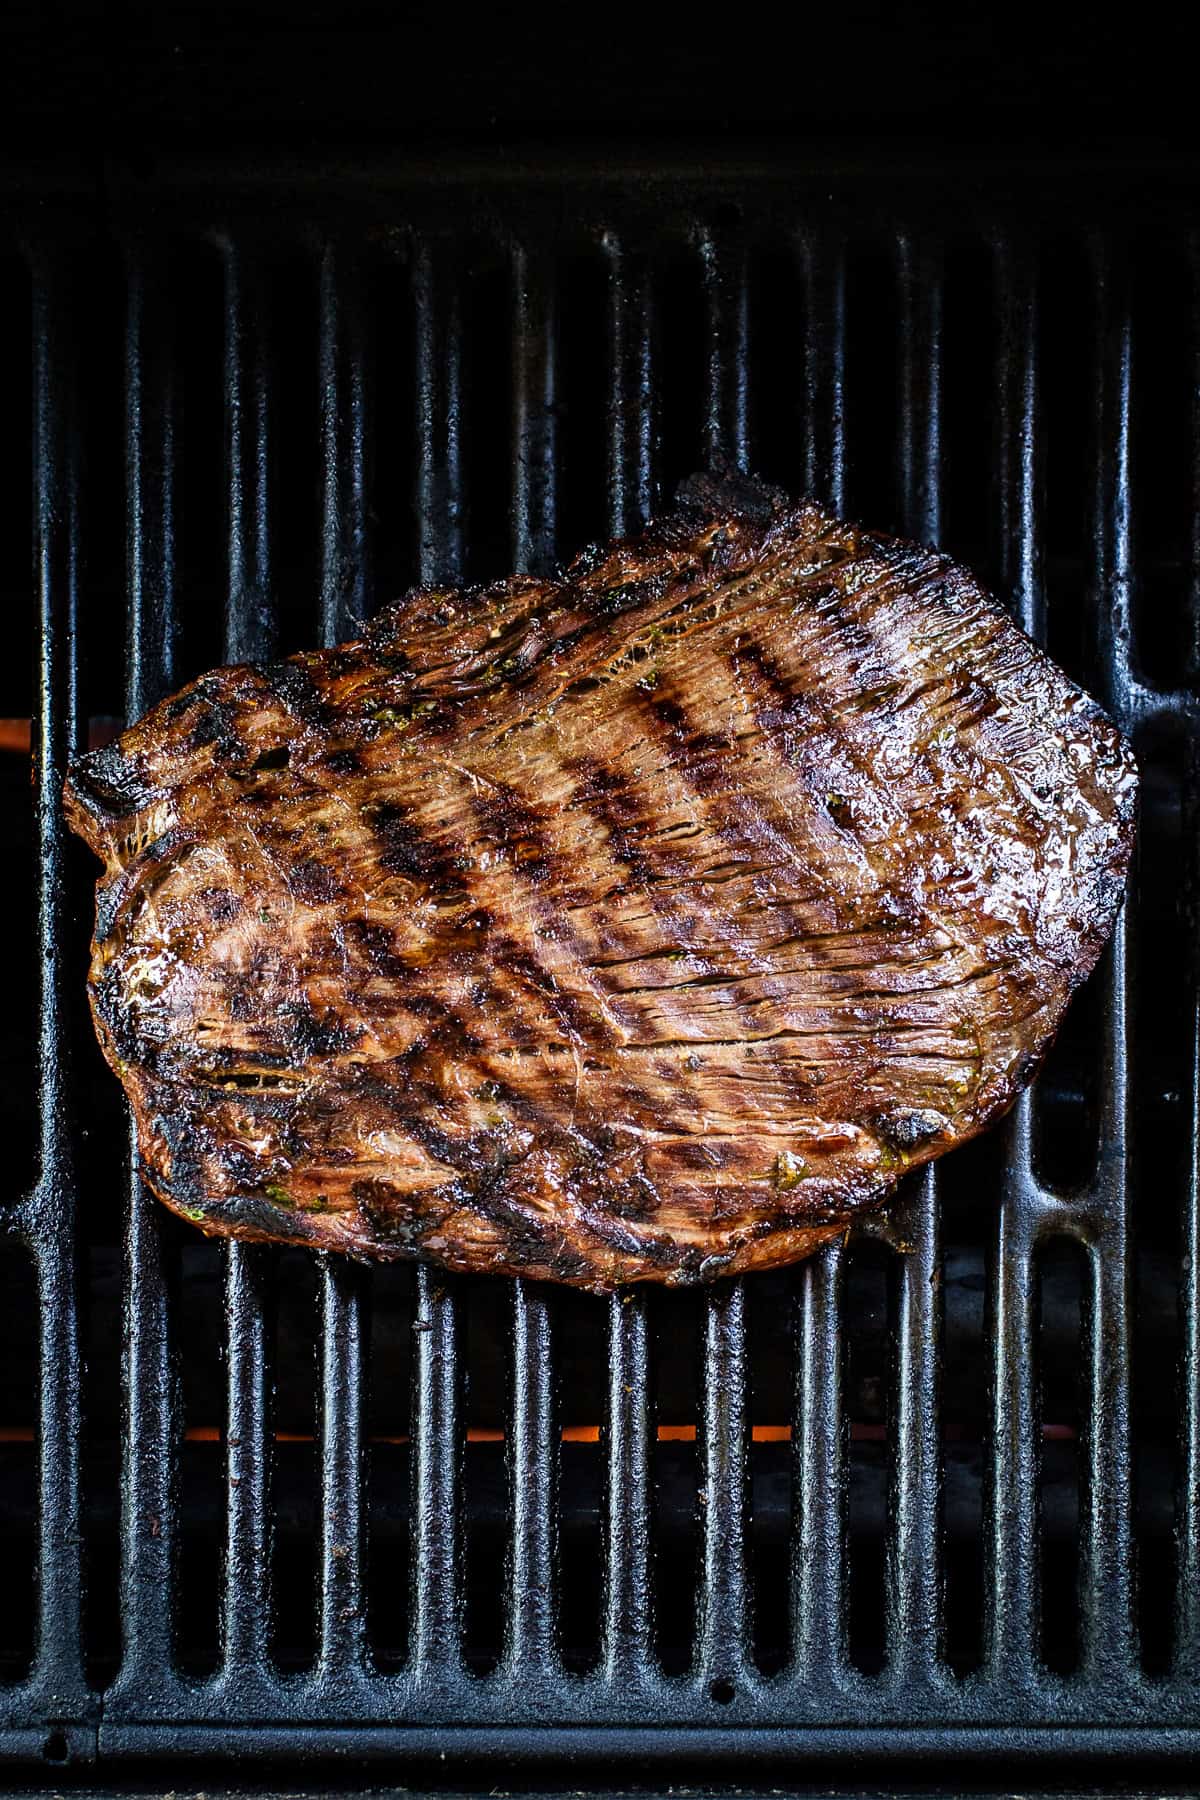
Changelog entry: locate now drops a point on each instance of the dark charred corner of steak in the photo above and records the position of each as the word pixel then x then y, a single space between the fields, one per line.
pixel 641 924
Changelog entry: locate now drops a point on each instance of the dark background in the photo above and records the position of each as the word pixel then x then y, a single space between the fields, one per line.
pixel 124 77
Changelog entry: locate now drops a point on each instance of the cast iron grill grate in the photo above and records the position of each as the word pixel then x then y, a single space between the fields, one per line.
pixel 891 1502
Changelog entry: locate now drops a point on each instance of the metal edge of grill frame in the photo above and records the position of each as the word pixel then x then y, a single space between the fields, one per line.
pixel 530 1710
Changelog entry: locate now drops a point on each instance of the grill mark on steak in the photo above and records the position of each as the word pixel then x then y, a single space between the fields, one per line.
pixel 406 849
pixel 704 775
pixel 605 796
pixel 642 924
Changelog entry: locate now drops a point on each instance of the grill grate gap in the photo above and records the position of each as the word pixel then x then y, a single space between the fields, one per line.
pixel 680 351
pixel 584 381
pixel 17 333
pixel 968 1183
pixel 293 1479
pixel 392 490
pixel 194 280
pixel 198 1311
pixel 583 1335
pixel 487 410
pixel 771 1332
pixel 1061 1275
pixel 968 405
pixel 677 1317
pixel 1164 934
pixel 867 1388
pixel 1187 1496
pixel 782 328
pixel 290 302
pixel 1067 1096
pixel 1067 380
pixel 871 383
pixel 18 1455
pixel 396 1322
pixel 18 840
pixel 1162 302
pixel 100 1334
pixel 1162 1032
pixel 485 1499
pixel 19 1074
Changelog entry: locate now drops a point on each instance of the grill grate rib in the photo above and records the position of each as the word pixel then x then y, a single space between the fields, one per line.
pixel 50 1216
pixel 530 1651
pixel 151 1399
pixel 247 1595
pixel 439 418
pixel 437 1480
pixel 342 1384
pixel 534 412
pixel 914 1578
pixel 342 357
pixel 632 445
pixel 913 1562
pixel 1109 1637
pixel 628 1618
pixel 533 1702
pixel 250 625
pixel 1187 1605
pixel 823 272
pixel 1010 1526
pixel 819 1478
pixel 1187 1593
pixel 726 292
pixel 723 1603
pixel 628 1613
pixel 250 631
pixel 1110 1649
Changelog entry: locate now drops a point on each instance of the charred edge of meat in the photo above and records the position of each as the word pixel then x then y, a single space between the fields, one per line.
pixel 722 491
pixel 256 1218
pixel 214 727
pixel 403 1231
pixel 111 896
pixel 291 684
pixel 909 1129
pixel 108 786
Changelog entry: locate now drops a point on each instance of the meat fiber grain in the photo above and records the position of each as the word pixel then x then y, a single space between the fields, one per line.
pixel 643 923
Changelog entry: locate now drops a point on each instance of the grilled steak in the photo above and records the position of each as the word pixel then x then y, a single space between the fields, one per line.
pixel 643 923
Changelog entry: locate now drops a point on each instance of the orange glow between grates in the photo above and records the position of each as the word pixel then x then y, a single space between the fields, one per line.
pixel 571 1434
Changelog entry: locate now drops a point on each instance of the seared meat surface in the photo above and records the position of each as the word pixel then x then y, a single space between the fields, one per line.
pixel 643 923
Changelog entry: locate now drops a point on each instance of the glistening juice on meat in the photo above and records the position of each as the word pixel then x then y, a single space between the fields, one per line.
pixel 643 923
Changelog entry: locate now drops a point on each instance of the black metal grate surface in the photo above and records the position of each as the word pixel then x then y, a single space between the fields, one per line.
pixel 916 1496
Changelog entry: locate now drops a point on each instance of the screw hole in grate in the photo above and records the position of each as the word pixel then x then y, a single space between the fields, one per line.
pixel 56 1749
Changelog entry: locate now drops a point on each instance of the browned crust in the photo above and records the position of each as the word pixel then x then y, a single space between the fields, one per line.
pixel 644 924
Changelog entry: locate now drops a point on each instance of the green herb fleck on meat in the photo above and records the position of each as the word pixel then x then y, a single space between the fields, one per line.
pixel 789 1171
